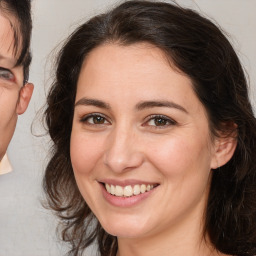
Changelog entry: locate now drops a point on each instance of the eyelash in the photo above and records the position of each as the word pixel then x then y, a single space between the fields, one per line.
pixel 164 120
pixel 6 72
pixel 167 121
pixel 93 115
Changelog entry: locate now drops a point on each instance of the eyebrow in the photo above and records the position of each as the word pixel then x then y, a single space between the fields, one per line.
pixel 154 104
pixel 92 102
pixel 140 106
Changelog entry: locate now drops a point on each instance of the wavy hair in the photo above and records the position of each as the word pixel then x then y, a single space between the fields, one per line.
pixel 198 48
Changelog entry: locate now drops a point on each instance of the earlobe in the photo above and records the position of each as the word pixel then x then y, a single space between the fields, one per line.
pixel 224 150
pixel 24 98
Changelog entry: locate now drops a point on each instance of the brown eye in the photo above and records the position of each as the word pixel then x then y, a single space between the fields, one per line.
pixel 98 120
pixel 160 121
pixel 94 119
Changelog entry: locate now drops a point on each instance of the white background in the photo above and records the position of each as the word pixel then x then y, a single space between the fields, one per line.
pixel 26 228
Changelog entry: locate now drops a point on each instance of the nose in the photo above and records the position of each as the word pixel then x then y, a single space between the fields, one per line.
pixel 123 151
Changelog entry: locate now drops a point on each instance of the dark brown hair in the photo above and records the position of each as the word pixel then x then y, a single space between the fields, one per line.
pixel 198 48
pixel 21 10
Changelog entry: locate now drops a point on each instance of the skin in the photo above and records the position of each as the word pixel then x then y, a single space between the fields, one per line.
pixel 129 144
pixel 14 97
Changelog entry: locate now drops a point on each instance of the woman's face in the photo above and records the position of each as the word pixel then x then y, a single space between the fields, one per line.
pixel 140 144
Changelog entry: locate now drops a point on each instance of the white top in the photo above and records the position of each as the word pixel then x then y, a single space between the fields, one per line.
pixel 5 165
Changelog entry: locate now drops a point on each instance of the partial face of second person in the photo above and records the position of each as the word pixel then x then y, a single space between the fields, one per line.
pixel 141 147
pixel 14 97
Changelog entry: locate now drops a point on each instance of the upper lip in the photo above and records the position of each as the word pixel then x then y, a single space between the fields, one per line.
pixel 127 182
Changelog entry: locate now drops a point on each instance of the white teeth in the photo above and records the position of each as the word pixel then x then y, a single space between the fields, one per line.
pixel 112 190
pixel 107 188
pixel 149 187
pixel 136 190
pixel 119 191
pixel 128 190
pixel 142 188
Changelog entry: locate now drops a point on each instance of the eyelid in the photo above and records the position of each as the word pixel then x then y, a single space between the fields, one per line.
pixel 84 118
pixel 154 116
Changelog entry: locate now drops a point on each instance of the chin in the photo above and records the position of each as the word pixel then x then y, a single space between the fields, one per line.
pixel 124 233
pixel 124 229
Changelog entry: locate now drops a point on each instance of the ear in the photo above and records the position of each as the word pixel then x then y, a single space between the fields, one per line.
pixel 224 149
pixel 24 98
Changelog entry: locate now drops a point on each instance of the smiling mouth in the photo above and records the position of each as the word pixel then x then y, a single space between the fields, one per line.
pixel 128 191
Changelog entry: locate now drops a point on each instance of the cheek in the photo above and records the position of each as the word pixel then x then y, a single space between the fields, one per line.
pixel 8 118
pixel 181 156
pixel 8 104
pixel 85 152
pixel 185 169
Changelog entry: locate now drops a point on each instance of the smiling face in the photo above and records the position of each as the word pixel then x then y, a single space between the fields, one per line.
pixel 141 149
pixel 13 98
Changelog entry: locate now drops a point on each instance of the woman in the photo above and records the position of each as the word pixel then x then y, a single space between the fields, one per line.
pixel 154 137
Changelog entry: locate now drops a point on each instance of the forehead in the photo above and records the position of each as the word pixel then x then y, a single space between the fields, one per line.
pixel 140 62
pixel 8 40
pixel 137 72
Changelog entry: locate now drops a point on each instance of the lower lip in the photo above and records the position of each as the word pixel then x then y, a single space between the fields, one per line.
pixel 125 201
